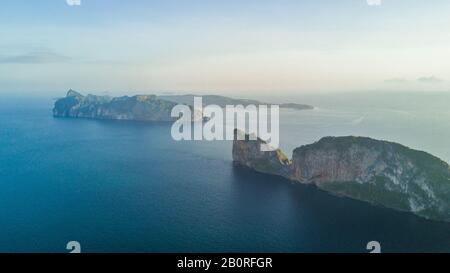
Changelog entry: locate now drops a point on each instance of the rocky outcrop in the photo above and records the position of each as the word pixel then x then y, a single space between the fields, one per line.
pixel 248 153
pixel 379 172
pixel 140 107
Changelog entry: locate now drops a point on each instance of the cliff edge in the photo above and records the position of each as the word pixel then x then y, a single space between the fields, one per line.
pixel 140 107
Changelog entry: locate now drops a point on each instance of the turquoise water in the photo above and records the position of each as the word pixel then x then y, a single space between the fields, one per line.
pixel 127 187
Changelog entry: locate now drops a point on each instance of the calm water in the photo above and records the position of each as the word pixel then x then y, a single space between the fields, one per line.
pixel 127 187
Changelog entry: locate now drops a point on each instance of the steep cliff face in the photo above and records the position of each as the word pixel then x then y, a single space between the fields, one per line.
pixel 142 107
pixel 378 172
pixel 248 153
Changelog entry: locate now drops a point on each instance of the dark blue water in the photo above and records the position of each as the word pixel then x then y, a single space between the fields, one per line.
pixel 128 187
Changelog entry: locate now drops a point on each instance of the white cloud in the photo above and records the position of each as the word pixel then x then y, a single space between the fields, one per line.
pixel 73 2
pixel 431 79
pixel 396 80
pixel 373 2
pixel 36 57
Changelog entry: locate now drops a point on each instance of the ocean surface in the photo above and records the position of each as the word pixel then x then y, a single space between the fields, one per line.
pixel 128 187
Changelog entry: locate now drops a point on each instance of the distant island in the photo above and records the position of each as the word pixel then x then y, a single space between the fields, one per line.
pixel 140 107
pixel 224 101
pixel 374 171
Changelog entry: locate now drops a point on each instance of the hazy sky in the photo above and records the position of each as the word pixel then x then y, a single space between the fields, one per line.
pixel 224 46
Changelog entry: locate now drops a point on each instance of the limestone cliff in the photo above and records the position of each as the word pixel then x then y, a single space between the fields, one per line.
pixel 379 172
pixel 141 107
pixel 248 153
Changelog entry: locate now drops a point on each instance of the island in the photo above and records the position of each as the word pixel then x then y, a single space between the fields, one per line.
pixel 379 172
pixel 223 101
pixel 141 107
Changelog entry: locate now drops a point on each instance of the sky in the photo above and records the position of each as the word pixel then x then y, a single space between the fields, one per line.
pixel 224 47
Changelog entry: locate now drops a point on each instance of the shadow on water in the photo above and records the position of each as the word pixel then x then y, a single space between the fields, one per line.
pixel 322 222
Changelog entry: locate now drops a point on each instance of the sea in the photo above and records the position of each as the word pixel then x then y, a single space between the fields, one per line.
pixel 117 186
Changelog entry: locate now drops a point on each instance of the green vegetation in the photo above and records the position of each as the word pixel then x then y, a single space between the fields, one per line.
pixel 374 193
pixel 283 158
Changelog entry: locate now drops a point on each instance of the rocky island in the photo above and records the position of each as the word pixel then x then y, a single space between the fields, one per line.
pixel 379 172
pixel 140 107
pixel 223 101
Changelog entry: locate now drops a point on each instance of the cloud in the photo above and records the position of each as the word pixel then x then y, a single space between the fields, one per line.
pixel 396 80
pixel 36 58
pixel 431 79
pixel 73 2
pixel 374 2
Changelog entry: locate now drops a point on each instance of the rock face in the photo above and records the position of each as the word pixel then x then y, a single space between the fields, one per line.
pixel 248 153
pixel 141 107
pixel 379 172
